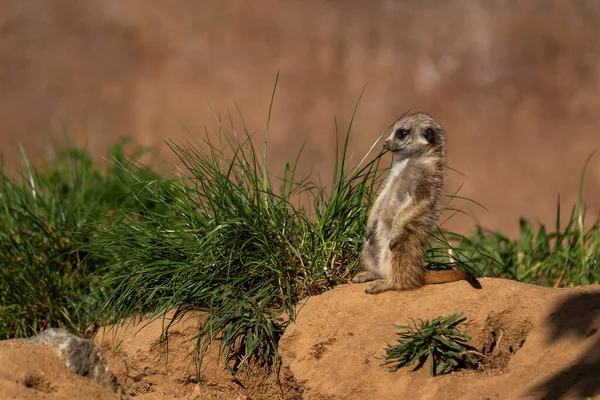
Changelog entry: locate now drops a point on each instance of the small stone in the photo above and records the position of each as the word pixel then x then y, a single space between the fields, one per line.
pixel 81 356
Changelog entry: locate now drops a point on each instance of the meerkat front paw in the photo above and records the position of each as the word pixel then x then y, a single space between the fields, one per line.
pixel 394 242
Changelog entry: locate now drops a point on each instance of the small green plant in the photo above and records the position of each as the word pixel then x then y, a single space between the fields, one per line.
pixel 439 341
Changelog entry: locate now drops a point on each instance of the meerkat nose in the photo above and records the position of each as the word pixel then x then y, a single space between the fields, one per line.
pixel 386 144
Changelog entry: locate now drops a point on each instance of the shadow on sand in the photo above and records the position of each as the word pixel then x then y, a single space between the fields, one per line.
pixel 577 316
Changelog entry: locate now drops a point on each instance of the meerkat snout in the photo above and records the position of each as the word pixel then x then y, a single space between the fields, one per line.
pixel 397 139
pixel 386 144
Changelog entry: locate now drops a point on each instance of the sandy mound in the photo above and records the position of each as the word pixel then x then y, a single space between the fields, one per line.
pixel 541 342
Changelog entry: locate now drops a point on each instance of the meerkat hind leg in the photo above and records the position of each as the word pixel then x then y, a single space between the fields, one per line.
pixel 369 256
pixel 380 285
pixel 403 279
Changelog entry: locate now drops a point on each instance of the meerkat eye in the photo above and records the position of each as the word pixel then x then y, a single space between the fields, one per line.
pixel 402 133
pixel 429 135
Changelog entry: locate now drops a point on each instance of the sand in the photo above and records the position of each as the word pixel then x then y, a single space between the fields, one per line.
pixel 539 343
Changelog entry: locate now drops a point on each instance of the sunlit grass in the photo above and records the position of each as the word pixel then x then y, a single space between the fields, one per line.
pixel 49 217
pixel 237 244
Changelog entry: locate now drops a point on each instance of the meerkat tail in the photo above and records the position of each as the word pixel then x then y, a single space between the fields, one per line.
pixel 445 276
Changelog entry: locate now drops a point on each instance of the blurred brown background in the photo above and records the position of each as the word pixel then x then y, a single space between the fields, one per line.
pixel 515 83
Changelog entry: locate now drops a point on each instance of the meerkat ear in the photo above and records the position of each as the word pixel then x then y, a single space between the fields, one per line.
pixel 429 135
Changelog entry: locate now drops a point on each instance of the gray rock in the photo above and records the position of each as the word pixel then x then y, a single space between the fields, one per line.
pixel 81 356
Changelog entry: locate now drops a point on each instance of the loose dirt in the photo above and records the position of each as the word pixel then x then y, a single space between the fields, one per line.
pixel 152 366
pixel 539 343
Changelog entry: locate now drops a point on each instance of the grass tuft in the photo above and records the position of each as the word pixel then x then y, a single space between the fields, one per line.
pixel 237 243
pixel 49 217
pixel 439 341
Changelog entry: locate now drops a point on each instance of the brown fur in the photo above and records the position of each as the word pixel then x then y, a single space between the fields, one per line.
pixel 404 215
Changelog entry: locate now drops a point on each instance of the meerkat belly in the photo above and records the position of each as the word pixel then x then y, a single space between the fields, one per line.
pixel 384 228
pixel 393 203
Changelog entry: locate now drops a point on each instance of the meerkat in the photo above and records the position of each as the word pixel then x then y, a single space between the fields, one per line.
pixel 404 215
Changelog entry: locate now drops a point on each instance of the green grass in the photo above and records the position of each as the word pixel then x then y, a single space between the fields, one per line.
pixel 439 341
pixel 83 247
pixel 49 217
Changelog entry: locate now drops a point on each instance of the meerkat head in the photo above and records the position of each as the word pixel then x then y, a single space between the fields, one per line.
pixel 415 134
